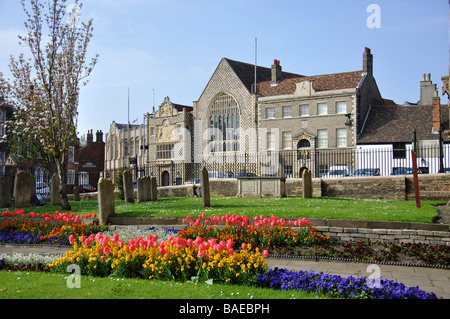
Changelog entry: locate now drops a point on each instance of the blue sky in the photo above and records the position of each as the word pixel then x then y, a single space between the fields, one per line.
pixel 174 46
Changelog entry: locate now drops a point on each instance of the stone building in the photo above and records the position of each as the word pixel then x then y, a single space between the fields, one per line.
pixel 260 121
pixel 168 153
pixel 91 160
pixel 123 148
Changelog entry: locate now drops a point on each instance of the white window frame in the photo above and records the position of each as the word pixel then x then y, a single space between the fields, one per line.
pixel 287 111
pixel 70 177
pixel 341 137
pixel 322 138
pixel 305 111
pixel 322 108
pixel 270 112
pixel 286 140
pixel 341 107
pixel 270 141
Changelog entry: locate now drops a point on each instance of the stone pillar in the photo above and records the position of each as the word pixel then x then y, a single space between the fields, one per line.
pixel 206 198
pixel 5 191
pixel 76 193
pixel 105 200
pixel 22 189
pixel 307 188
pixel 55 196
pixel 128 186
pixel 153 189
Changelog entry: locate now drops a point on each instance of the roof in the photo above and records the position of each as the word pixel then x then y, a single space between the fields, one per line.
pixel 246 73
pixel 396 123
pixel 323 82
pixel 180 107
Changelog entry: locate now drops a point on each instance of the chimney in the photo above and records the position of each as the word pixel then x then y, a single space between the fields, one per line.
pixel 436 112
pixel 367 62
pixel 99 136
pixel 276 72
pixel 427 90
pixel 90 137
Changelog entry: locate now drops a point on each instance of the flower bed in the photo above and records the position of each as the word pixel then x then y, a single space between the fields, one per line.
pixel 52 229
pixel 338 287
pixel 228 249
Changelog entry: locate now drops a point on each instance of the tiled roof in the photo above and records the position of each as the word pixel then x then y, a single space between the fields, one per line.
pixel 246 73
pixel 324 82
pixel 287 85
pixel 396 123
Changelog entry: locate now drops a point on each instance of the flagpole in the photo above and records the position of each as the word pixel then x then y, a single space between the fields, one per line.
pixel 128 107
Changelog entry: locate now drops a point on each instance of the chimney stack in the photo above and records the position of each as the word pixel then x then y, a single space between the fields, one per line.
pixel 436 112
pixel 90 137
pixel 427 90
pixel 367 62
pixel 276 72
pixel 99 136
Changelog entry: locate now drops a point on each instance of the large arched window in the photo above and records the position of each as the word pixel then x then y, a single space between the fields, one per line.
pixel 224 124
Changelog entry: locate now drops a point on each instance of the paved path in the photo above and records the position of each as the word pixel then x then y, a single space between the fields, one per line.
pixel 428 279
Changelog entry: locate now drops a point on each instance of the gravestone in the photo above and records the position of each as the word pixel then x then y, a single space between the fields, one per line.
pixel 143 189
pixel 206 198
pixel 128 187
pixel 307 188
pixel 55 196
pixel 105 200
pixel 153 189
pixel 76 193
pixel 22 189
pixel 5 191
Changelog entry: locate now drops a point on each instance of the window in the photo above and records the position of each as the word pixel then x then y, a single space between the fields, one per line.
pixel 304 110
pixel 287 111
pixel 399 150
pixel 270 141
pixel 322 109
pixel 164 151
pixel 71 154
pixel 322 138
pixel 341 107
pixel 225 123
pixel 270 113
pixel 287 140
pixel 70 177
pixel 341 137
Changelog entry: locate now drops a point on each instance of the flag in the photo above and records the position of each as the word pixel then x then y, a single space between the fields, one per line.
pixel 135 121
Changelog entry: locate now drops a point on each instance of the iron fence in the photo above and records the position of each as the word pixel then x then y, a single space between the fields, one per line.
pixel 382 160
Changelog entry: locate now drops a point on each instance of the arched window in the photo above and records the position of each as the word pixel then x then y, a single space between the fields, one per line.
pixel 224 124
pixel 303 144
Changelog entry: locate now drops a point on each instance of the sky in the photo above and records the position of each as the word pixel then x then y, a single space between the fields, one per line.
pixel 152 49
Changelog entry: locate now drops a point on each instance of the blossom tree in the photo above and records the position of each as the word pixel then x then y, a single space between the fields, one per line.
pixel 45 86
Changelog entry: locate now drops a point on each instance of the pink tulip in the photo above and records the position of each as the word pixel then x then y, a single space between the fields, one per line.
pixel 265 253
pixel 244 246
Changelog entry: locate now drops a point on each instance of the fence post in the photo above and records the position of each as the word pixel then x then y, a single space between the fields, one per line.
pixel 416 178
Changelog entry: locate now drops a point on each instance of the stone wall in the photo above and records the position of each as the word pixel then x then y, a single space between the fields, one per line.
pixel 343 234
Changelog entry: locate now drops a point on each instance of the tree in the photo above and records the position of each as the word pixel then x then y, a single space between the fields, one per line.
pixel 45 87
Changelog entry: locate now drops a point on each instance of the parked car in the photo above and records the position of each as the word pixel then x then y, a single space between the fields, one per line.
pixel 217 174
pixel 405 171
pixel 339 171
pixel 42 189
pixel 242 175
pixel 367 172
pixel 193 181
pixel 86 188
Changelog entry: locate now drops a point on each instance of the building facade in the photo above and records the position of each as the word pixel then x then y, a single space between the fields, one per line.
pixel 263 121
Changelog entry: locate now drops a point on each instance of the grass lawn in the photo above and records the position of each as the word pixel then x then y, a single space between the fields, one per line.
pixel 289 207
pixel 38 285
